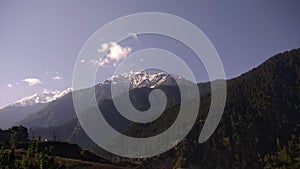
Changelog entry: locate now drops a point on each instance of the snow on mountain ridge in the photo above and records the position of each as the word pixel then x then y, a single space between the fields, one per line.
pixel 140 78
pixel 44 97
pixel 137 79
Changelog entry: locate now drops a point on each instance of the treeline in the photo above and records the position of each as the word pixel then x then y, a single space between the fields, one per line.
pixel 260 127
pixel 18 152
pixel 31 159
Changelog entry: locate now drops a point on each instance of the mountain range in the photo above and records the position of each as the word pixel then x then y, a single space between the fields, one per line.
pixel 259 129
pixel 61 110
pixel 13 113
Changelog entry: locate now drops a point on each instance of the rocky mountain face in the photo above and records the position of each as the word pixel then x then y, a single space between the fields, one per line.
pixel 61 110
pixel 259 127
pixel 141 78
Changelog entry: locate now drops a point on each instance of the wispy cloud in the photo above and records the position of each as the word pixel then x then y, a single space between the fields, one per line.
pixel 53 75
pixel 94 62
pixel 32 81
pixel 47 72
pixel 57 77
pixel 135 37
pixel 104 62
pixel 9 85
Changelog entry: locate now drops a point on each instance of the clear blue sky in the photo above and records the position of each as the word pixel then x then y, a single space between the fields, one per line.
pixel 42 39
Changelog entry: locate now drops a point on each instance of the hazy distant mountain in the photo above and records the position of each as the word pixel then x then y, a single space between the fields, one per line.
pixel 45 97
pixel 61 110
pixel 18 110
pixel 54 113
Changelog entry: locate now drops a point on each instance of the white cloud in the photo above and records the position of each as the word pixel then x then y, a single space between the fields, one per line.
pixel 115 53
pixel 105 46
pixel 56 77
pixel 104 62
pixel 9 85
pixel 32 81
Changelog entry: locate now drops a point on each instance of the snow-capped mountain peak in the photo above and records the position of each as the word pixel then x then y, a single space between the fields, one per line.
pixel 45 97
pixel 142 78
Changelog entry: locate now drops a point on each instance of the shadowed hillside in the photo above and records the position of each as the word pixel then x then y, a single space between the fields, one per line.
pixel 259 127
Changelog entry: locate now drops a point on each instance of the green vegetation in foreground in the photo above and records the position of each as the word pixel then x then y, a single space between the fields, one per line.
pixel 37 154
